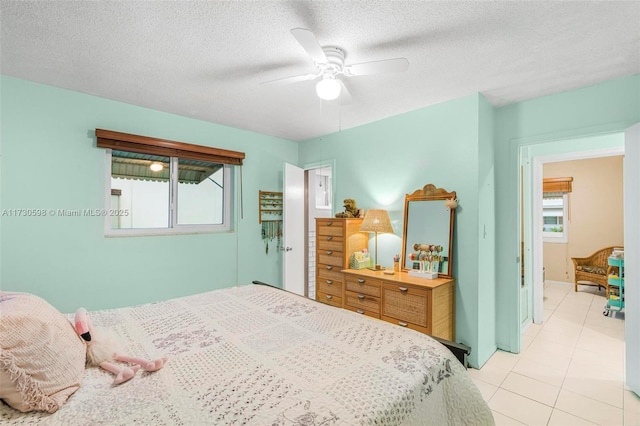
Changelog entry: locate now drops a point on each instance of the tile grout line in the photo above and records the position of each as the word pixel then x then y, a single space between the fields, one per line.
pixel 509 417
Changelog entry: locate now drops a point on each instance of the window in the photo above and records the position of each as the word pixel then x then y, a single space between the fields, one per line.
pixel 322 188
pixel 554 214
pixel 187 190
pixel 555 209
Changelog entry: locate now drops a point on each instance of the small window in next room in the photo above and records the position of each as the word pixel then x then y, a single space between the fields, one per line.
pixel 555 209
pixel 554 212
pixel 188 190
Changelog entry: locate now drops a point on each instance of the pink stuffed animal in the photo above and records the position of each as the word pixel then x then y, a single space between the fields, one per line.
pixel 102 350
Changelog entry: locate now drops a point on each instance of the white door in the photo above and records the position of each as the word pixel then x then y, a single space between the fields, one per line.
pixel 293 260
pixel 631 177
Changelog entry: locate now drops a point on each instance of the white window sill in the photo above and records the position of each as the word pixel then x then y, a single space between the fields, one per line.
pixel 149 232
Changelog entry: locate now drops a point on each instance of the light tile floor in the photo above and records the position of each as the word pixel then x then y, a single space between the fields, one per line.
pixel 570 370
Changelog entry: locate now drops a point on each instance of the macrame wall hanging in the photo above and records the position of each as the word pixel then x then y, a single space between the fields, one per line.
pixel 270 216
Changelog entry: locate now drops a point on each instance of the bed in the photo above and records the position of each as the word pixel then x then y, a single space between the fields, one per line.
pixel 259 355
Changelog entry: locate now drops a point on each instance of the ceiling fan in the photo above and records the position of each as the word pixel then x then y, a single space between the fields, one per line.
pixel 329 62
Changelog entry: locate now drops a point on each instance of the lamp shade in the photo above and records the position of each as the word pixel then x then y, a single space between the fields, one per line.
pixel 376 220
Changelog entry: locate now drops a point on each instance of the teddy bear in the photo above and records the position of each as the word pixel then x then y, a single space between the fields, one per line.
pixel 350 209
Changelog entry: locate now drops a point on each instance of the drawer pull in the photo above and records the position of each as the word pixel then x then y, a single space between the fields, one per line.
pixel 402 324
pixel 360 311
pixel 361 296
pixel 329 282
pixel 329 252
pixel 402 289
pixel 329 238
pixel 329 223
pixel 361 280
pixel 329 296
pixel 329 267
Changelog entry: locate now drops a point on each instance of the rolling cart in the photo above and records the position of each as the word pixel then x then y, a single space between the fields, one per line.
pixel 615 279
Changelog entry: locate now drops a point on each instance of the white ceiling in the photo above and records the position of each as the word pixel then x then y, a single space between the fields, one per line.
pixel 206 59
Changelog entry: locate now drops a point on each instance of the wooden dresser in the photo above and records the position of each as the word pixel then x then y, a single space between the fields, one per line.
pixel 424 305
pixel 336 239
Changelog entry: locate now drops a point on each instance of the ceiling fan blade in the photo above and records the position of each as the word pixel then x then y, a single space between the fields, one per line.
pixel 377 67
pixel 345 97
pixel 310 43
pixel 289 80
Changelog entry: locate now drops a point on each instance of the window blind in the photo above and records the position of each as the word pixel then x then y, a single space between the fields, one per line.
pixel 560 185
pixel 155 146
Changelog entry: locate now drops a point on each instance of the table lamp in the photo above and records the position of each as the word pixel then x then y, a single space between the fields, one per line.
pixel 376 220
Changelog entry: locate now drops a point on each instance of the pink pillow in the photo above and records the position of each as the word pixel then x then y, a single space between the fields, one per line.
pixel 42 359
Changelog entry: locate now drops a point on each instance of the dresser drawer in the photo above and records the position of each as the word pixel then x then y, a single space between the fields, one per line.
pixel 330 287
pixel 330 257
pixel 405 304
pixel 329 299
pixel 368 286
pixel 333 274
pixel 362 311
pixel 406 324
pixel 362 301
pixel 335 228
pixel 329 268
pixel 328 242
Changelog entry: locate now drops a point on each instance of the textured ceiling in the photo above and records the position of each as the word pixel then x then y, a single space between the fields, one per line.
pixel 206 59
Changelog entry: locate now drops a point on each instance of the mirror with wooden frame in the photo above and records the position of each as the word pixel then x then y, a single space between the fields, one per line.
pixel 427 220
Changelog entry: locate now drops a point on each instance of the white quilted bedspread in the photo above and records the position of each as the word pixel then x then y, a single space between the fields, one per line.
pixel 261 356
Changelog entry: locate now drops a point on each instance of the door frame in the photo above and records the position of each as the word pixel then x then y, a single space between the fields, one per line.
pixel 632 247
pixel 521 151
pixel 329 163
pixel 536 222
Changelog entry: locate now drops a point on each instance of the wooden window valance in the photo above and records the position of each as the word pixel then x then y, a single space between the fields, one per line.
pixel 154 146
pixel 562 184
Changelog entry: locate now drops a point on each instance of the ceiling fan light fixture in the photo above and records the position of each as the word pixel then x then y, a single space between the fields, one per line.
pixel 328 89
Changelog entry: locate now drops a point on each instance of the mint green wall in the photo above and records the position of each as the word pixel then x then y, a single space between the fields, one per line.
pixel 378 163
pixel 49 160
pixel 609 107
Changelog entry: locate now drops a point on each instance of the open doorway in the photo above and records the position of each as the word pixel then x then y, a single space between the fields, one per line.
pixel 532 158
pixel 577 222
pixel 308 194
pixel 564 330
pixel 319 190
pixel 575 326
pixel 588 222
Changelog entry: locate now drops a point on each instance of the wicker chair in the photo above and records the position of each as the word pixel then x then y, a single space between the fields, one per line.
pixel 592 270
